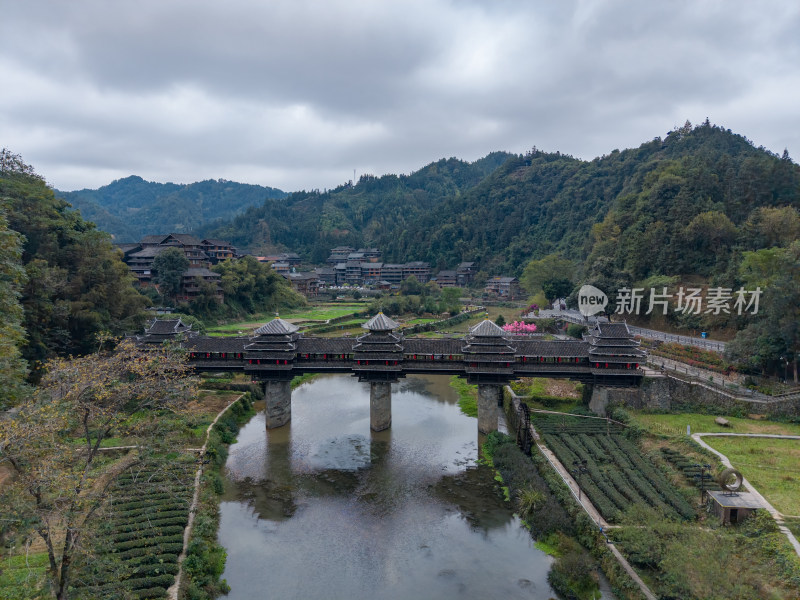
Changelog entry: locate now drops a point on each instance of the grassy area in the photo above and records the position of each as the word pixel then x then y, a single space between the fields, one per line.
pixel 419 321
pixel 316 312
pixel 548 394
pixel 323 312
pixel 678 560
pixel 794 526
pixel 675 424
pixel 301 379
pixel 467 396
pixel 22 577
pixel 771 465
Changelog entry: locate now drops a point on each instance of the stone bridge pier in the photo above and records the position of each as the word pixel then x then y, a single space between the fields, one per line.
pixel 277 403
pixel 380 405
pixel 489 396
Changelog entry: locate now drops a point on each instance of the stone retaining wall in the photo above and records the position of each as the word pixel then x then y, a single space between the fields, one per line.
pixel 665 393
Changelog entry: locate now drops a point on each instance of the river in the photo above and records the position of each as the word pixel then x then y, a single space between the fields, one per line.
pixel 324 508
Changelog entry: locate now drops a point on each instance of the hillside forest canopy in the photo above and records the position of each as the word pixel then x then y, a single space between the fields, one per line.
pixel 701 206
pixel 63 284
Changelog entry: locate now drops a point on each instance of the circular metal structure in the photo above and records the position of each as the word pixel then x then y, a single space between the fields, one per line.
pixel 730 480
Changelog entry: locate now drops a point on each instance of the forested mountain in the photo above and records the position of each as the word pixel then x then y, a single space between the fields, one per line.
pixel 132 207
pixel 67 282
pixel 504 210
pixel 63 285
pixel 374 211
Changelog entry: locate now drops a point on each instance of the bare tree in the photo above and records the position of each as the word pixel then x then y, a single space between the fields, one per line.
pixel 52 444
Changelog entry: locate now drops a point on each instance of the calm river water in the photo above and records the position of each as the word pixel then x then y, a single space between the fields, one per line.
pixel 324 508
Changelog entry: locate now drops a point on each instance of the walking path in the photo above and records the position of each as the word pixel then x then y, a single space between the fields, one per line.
pixel 584 503
pixel 574 316
pixel 715 381
pixel 172 592
pixel 698 437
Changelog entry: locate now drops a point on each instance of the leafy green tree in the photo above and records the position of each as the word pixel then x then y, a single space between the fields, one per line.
pixel 13 368
pixel 77 284
pixel 207 301
pixel 169 267
pixel 250 286
pixel 500 320
pixel 411 287
pixel 769 226
pixel 556 288
pixel 551 268
pixel 773 335
pixel 450 300
pixel 575 330
pixel 760 267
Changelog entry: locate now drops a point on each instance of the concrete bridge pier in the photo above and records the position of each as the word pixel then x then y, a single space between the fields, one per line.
pixel 380 405
pixel 277 403
pixel 489 394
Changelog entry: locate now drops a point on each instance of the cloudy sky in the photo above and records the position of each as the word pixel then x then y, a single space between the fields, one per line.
pixel 296 94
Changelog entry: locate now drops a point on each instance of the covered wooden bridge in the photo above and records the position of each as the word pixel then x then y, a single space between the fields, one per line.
pixel 608 356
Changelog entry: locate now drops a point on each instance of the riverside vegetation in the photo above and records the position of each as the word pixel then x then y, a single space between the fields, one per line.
pixel 645 483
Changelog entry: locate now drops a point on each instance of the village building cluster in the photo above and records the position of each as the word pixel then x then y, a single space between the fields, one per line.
pixel 346 266
pixel 201 254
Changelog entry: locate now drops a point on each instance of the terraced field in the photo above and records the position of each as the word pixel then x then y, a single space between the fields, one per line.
pixel 140 540
pixel 618 474
pixel 690 469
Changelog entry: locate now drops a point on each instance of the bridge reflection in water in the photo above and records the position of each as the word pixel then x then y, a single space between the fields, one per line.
pixel 608 356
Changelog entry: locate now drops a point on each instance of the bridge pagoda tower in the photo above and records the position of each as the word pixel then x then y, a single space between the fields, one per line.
pixel 269 357
pixel 489 362
pixel 615 359
pixel 378 358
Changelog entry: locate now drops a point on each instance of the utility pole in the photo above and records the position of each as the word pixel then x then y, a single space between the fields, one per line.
pixel 703 469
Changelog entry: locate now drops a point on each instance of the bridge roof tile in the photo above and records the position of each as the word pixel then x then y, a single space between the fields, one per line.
pixel 487 329
pixel 276 327
pixel 381 322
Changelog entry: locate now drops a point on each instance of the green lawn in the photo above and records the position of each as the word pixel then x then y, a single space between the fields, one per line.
pixel 675 424
pixel 317 312
pixel 22 577
pixel 419 321
pixel 323 312
pixel 771 465
pixel 794 526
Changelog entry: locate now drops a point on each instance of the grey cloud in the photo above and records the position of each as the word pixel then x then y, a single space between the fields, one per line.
pixel 302 92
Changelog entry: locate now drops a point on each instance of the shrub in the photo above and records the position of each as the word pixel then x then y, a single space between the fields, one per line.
pixel 571 573
pixel 575 330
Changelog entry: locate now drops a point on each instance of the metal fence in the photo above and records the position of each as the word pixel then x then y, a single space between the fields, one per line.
pixel 574 316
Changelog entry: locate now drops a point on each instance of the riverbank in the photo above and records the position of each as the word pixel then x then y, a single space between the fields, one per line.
pixel 674 557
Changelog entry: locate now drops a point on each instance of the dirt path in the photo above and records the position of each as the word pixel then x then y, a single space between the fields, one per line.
pixel 172 592
pixel 584 502
pixel 698 437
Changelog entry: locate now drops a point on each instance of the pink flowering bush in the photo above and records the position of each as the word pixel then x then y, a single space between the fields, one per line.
pixel 520 327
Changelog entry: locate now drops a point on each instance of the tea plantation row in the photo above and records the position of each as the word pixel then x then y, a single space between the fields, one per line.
pixel 618 475
pixel 142 536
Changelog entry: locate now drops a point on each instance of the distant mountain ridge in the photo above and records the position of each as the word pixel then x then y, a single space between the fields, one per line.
pixel 506 209
pixel 684 204
pixel 375 209
pixel 131 207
